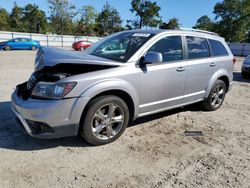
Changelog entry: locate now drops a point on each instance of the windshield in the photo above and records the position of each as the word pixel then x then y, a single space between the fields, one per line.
pixel 119 47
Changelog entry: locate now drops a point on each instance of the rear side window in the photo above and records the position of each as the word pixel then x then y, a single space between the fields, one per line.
pixel 197 47
pixel 217 48
pixel 170 48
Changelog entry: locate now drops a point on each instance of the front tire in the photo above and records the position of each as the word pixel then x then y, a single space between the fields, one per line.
pixel 105 120
pixel 7 48
pixel 245 75
pixel 216 96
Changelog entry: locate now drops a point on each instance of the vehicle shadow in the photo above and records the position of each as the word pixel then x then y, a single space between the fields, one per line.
pixel 238 78
pixel 12 137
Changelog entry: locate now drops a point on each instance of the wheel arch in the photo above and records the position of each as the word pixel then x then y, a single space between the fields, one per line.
pixel 119 93
pixel 115 87
pixel 221 75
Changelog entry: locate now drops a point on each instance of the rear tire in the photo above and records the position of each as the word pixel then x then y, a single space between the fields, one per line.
pixel 82 48
pixel 216 96
pixel 33 48
pixel 105 120
pixel 7 48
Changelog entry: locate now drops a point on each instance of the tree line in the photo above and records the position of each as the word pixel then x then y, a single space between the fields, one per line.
pixel 232 19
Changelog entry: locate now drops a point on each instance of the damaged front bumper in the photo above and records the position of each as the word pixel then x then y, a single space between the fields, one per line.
pixel 49 118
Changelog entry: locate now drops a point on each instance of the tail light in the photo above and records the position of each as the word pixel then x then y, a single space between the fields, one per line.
pixel 234 60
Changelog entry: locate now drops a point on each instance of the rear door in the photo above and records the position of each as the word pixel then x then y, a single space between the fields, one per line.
pixel 201 67
pixel 25 43
pixel 162 84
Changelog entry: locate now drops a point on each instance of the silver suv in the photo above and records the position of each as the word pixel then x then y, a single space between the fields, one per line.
pixel 122 77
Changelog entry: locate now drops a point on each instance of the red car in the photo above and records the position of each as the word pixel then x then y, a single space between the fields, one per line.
pixel 81 45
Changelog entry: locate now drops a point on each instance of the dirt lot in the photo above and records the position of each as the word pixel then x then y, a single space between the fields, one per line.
pixel 153 152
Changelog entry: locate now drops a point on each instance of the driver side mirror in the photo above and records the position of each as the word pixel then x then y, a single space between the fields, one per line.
pixel 151 58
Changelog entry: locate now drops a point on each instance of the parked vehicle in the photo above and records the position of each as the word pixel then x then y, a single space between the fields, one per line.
pixel 245 69
pixel 122 77
pixel 20 44
pixel 81 45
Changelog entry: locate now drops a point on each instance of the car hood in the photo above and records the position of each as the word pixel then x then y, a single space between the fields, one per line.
pixel 49 57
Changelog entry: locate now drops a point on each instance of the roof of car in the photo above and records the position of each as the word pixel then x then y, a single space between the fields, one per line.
pixel 177 31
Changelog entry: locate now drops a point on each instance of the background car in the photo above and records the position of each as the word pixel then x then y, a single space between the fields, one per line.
pixel 81 45
pixel 20 44
pixel 245 70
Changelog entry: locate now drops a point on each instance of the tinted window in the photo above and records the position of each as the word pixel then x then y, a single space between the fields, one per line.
pixel 197 47
pixel 218 48
pixel 169 47
pixel 24 40
pixel 16 40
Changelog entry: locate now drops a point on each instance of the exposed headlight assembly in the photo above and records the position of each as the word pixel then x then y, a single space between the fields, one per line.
pixel 49 90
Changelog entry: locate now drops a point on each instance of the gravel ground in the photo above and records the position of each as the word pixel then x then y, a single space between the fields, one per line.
pixel 153 152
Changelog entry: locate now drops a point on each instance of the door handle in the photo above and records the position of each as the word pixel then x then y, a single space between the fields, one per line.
pixel 180 69
pixel 212 65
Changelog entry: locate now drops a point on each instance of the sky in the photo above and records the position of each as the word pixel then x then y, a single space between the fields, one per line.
pixel 187 11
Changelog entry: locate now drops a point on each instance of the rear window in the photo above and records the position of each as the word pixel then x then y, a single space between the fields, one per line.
pixel 197 47
pixel 217 48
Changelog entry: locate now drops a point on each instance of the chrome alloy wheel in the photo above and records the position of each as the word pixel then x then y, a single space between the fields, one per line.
pixel 107 121
pixel 218 96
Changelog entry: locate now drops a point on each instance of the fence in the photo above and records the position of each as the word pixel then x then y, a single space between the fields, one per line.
pixel 240 49
pixel 47 40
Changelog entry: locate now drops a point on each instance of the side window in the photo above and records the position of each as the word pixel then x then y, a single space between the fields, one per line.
pixel 217 48
pixel 16 40
pixel 170 48
pixel 24 40
pixel 197 47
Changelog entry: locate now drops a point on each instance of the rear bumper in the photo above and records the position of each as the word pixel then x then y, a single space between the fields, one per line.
pixel 49 118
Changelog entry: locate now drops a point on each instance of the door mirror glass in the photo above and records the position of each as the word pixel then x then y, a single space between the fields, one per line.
pixel 151 57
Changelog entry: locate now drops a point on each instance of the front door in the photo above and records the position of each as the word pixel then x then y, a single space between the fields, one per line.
pixel 163 84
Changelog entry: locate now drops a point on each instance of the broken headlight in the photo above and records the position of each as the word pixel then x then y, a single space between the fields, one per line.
pixel 50 90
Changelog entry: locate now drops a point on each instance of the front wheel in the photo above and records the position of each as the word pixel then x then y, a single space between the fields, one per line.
pixel 216 96
pixel 7 48
pixel 106 119
pixel 245 75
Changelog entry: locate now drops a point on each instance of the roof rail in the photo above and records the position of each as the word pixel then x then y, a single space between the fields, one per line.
pixel 198 30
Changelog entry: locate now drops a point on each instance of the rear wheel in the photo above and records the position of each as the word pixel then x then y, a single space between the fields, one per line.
pixel 106 119
pixel 216 96
pixel 82 48
pixel 7 47
pixel 33 48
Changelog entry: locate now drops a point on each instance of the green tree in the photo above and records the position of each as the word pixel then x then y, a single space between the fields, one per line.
pixel 233 19
pixel 4 20
pixel 148 13
pixel 172 24
pixel 34 19
pixel 86 24
pixel 16 16
pixel 204 23
pixel 61 15
pixel 108 20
